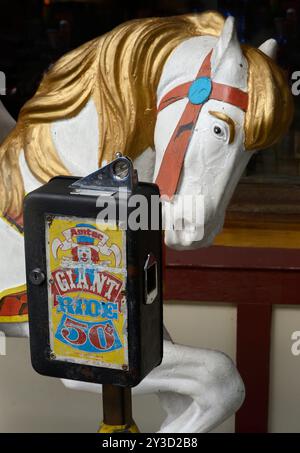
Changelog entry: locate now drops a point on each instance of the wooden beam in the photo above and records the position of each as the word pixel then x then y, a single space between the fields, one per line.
pixel 253 363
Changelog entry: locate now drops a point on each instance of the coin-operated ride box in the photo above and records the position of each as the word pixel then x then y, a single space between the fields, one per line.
pixel 94 284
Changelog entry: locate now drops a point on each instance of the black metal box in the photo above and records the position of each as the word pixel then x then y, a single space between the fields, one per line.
pixel 94 286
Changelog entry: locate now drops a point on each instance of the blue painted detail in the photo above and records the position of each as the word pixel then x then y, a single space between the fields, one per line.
pixel 83 239
pixel 85 225
pixel 87 336
pixel 200 90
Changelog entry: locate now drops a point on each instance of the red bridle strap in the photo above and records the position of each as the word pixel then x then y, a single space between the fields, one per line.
pixel 219 92
pixel 172 162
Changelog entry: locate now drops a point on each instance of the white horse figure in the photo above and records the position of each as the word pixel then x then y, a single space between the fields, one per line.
pixel 102 98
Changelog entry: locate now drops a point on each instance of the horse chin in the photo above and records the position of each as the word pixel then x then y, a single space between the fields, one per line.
pixel 200 238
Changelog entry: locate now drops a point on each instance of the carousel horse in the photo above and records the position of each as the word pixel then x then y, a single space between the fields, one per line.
pixel 190 106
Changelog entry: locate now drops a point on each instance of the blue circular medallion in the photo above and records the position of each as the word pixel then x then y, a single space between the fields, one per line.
pixel 200 90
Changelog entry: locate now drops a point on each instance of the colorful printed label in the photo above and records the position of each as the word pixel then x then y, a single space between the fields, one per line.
pixel 86 267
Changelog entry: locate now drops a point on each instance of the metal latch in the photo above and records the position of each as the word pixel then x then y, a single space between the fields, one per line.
pixel 109 179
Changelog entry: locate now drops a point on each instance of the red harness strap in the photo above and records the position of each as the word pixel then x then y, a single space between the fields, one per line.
pixel 172 162
pixel 14 306
pixel 16 222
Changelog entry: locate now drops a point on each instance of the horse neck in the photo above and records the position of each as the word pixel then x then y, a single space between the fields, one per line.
pixel 76 141
pixel 29 180
pixel 144 164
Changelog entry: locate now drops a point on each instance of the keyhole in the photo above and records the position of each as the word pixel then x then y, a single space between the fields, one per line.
pixel 36 276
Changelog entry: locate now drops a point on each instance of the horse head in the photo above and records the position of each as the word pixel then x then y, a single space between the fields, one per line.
pixel 220 138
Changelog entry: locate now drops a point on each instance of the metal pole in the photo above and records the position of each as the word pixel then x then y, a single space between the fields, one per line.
pixel 117 410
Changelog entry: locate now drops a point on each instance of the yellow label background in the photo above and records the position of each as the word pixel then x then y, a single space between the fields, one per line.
pixel 111 359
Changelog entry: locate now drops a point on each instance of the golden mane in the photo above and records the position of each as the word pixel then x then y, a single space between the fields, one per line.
pixel 120 71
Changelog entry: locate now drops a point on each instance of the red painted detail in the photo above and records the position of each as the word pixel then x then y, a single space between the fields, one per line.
pixel 170 169
pixel 229 94
pixel 176 94
pixel 16 221
pixel 172 162
pixel 14 305
pixel 220 92
pixel 171 166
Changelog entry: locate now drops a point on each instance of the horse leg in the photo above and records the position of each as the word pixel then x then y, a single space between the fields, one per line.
pixel 198 388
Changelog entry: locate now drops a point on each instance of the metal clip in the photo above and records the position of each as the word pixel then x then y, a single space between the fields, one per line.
pixel 108 180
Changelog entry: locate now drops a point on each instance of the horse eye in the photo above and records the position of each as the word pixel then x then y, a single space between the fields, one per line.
pixel 217 130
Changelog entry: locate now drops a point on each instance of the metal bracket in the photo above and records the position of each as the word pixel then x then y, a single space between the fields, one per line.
pixel 109 179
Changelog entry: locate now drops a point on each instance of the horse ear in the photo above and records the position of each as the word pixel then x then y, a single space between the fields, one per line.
pixel 228 63
pixel 227 44
pixel 269 48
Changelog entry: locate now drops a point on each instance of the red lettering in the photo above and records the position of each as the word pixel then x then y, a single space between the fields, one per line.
pixel 78 327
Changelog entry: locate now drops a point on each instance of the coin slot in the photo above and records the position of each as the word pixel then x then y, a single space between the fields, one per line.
pixel 151 279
